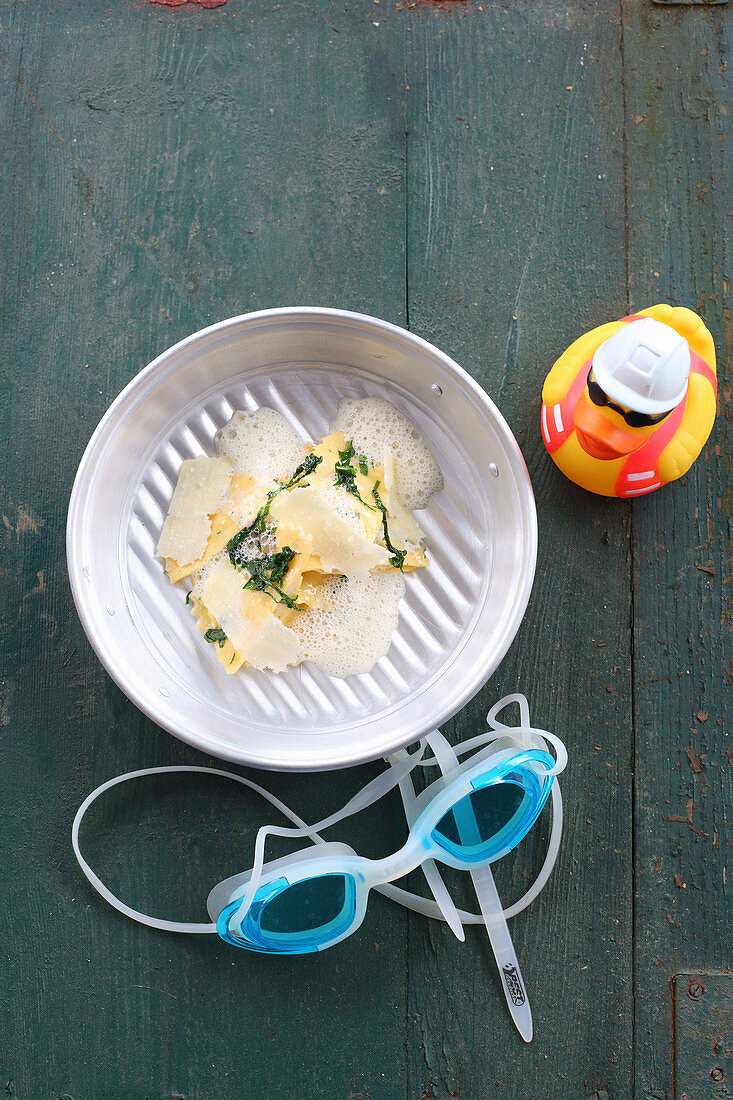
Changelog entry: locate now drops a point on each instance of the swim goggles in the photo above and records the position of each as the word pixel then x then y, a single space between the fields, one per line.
pixel 475 813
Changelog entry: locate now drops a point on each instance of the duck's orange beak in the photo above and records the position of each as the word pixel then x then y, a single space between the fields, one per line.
pixel 600 436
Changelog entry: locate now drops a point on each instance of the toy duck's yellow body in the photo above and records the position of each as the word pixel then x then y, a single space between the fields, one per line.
pixel 596 448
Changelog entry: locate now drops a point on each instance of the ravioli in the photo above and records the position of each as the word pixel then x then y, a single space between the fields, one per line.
pixel 248 621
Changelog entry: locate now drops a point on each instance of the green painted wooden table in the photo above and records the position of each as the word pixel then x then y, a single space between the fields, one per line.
pixel 498 177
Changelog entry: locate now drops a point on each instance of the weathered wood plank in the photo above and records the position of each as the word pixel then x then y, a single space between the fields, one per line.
pixel 703 1032
pixel 166 168
pixel 679 156
pixel 515 246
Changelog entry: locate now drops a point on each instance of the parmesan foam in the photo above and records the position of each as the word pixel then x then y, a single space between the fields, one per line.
pixel 375 427
pixel 261 444
pixel 353 626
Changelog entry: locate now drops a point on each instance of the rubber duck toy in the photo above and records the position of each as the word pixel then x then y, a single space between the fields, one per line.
pixel 628 407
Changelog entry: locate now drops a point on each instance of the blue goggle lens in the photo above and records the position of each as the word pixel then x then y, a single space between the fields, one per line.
pixel 305 906
pixel 479 816
pixel 495 816
pixel 295 919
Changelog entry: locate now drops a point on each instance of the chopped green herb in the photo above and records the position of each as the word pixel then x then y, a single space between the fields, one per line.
pixel 268 572
pixel 346 473
pixel 257 527
pixel 188 597
pixel 216 634
pixel 398 556
pixel 306 467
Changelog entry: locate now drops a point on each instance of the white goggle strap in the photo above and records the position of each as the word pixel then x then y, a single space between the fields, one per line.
pixel 115 902
pixel 365 797
pixel 524 733
pixel 515 697
pixel 439 890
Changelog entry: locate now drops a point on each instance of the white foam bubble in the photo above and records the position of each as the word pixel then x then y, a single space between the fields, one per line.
pixel 376 426
pixel 261 444
pixel 256 546
pixel 354 627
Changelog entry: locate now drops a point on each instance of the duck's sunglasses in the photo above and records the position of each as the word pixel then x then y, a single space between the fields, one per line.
pixel 633 419
pixel 316 897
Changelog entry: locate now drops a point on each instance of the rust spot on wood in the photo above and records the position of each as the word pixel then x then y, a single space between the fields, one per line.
pixel 695 760
pixel 24 520
pixel 687 819
pixel 39 588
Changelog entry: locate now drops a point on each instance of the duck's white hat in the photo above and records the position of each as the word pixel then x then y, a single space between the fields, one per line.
pixel 644 366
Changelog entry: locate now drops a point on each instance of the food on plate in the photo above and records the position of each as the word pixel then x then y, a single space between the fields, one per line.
pixel 297 551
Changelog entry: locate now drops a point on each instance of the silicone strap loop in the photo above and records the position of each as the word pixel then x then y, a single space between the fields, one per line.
pixel 115 902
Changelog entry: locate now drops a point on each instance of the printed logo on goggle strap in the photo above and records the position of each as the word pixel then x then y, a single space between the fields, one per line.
pixel 514 984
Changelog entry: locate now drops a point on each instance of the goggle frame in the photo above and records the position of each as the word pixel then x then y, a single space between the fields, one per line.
pixel 491 766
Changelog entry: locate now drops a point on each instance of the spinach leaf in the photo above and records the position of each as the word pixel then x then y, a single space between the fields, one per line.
pixel 216 634
pixel 268 572
pixel 257 527
pixel 398 556
pixel 346 473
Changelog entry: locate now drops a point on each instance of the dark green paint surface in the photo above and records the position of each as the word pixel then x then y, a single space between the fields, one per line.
pixel 703 1021
pixel 499 177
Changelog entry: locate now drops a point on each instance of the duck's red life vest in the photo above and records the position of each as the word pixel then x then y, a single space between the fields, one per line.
pixel 639 473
